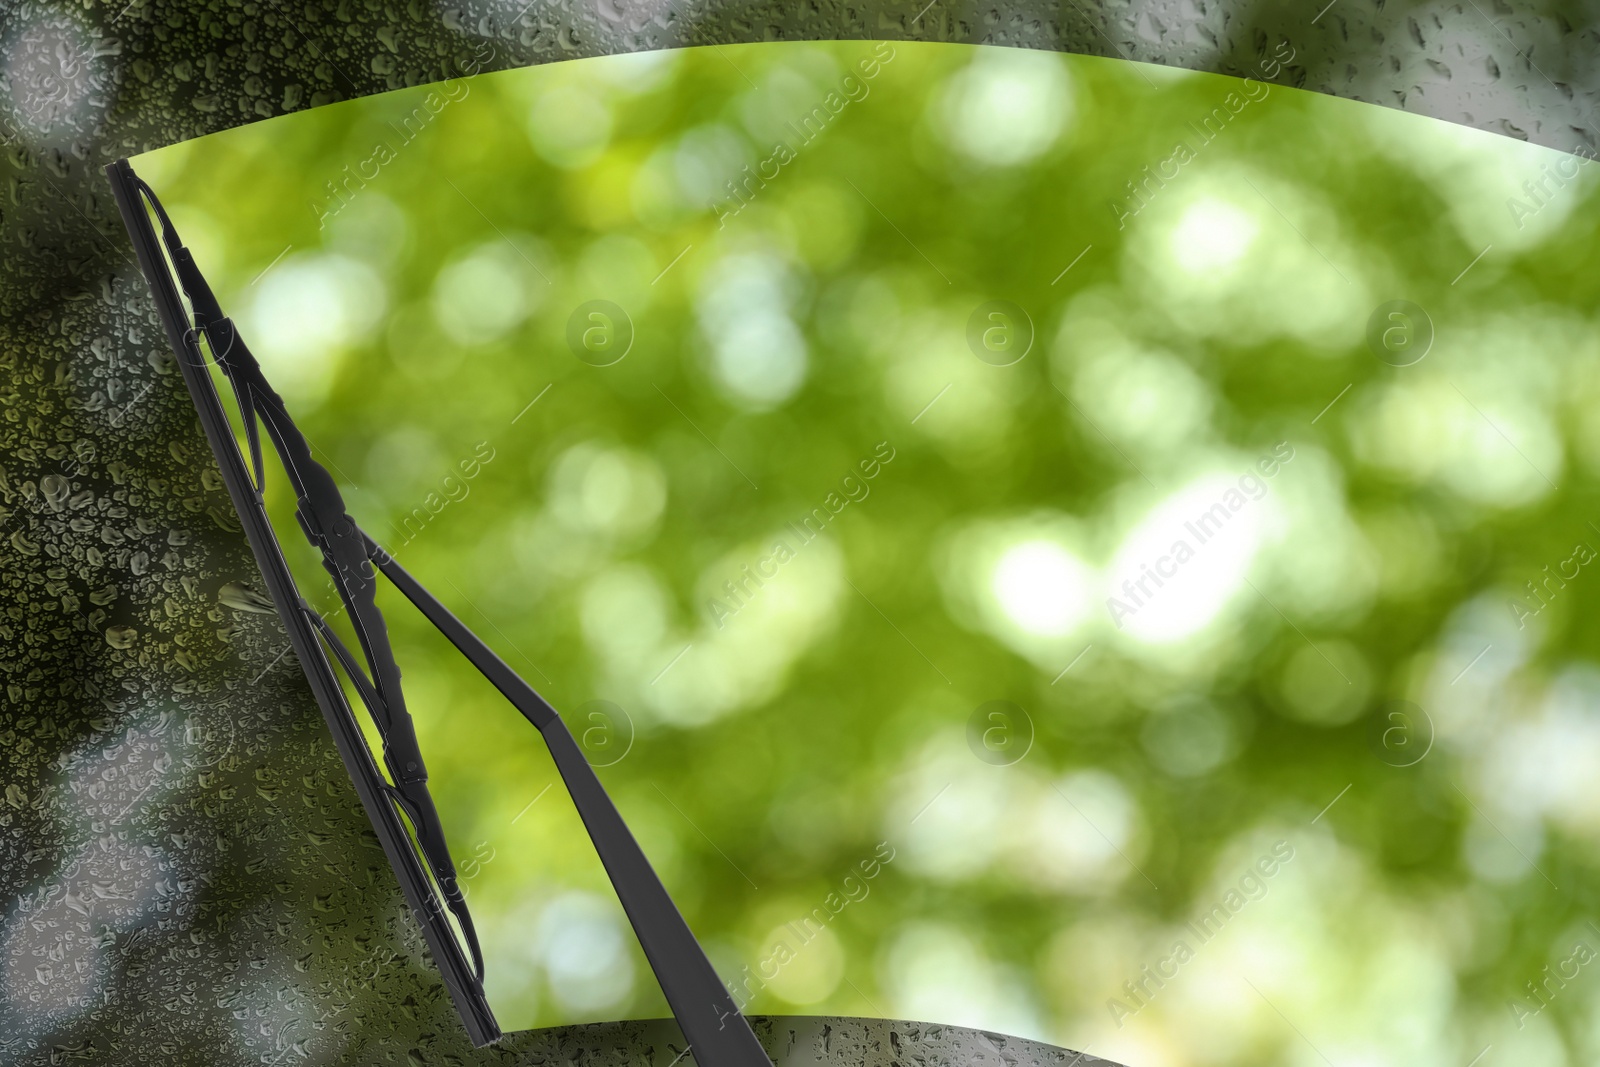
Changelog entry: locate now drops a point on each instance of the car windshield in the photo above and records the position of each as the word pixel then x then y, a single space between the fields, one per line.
pixel 1031 542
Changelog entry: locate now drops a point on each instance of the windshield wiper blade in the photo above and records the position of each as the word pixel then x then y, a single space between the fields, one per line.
pixel 717 1033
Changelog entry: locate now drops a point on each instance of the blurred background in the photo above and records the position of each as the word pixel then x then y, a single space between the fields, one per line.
pixel 589 344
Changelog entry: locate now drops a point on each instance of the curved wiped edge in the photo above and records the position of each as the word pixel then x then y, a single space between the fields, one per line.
pixel 154 75
pixel 798 1041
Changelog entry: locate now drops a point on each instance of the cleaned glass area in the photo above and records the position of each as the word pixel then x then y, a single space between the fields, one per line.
pixel 1031 542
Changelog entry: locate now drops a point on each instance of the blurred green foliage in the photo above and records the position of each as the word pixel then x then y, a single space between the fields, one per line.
pixel 798 237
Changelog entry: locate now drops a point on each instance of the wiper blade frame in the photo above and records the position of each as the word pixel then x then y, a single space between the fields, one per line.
pixel 716 1032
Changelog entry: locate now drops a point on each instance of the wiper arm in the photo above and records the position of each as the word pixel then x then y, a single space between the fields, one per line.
pixel 698 999
pixel 716 1032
